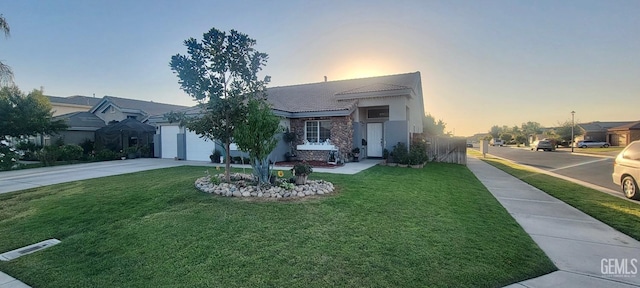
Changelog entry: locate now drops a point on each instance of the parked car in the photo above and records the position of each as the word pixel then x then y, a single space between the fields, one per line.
pixel 497 142
pixel 626 170
pixel 591 143
pixel 546 145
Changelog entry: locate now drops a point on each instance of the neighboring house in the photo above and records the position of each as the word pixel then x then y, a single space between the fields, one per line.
pixel 369 113
pixel 66 105
pixel 624 134
pixel 112 108
pixel 82 126
pixel 597 131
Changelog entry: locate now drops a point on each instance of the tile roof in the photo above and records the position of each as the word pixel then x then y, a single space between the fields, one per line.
pixel 602 126
pixel 630 126
pixel 81 119
pixel 322 96
pixel 147 107
pixel 76 100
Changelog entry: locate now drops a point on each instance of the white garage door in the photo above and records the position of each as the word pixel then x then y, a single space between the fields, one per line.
pixel 169 141
pixel 198 149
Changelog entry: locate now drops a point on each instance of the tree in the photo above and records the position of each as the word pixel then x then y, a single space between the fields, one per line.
pixel 495 131
pixel 431 127
pixel 506 137
pixel 256 135
pixel 6 74
pixel 26 115
pixel 529 129
pixel 220 72
pixel 564 131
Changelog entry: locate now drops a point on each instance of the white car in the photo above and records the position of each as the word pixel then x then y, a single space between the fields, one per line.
pixel 591 143
pixel 626 170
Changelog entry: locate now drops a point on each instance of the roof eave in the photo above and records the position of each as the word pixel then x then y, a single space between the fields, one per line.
pixel 376 94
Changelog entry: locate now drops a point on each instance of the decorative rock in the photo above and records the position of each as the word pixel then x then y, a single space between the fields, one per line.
pixel 242 187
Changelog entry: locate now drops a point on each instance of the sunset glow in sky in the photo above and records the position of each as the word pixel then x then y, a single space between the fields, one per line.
pixel 483 63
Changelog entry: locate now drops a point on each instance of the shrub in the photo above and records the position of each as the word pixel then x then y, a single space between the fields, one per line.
pixel 48 155
pixel 106 155
pixel 29 149
pixel 71 152
pixel 8 157
pixel 87 146
pixel 418 153
pixel 400 153
pixel 214 179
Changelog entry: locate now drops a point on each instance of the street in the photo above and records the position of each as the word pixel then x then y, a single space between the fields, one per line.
pixel 591 169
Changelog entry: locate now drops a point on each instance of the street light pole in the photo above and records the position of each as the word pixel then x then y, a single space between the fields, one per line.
pixel 573 124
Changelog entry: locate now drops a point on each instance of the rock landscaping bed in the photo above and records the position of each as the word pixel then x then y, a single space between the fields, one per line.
pixel 243 186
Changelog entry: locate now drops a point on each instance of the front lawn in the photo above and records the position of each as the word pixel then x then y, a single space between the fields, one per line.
pixel 621 214
pixel 386 226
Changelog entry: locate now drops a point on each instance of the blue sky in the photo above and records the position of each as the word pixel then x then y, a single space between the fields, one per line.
pixel 483 63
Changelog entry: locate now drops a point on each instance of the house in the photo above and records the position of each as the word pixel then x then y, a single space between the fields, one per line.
pixel 597 131
pixel 111 108
pixel 66 105
pixel 624 134
pixel 328 117
pixel 81 126
pixel 85 119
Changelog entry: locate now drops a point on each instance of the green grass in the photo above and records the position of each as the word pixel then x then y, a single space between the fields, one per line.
pixel 385 227
pixel 621 214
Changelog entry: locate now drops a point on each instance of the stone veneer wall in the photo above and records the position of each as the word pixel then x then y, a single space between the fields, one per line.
pixel 341 136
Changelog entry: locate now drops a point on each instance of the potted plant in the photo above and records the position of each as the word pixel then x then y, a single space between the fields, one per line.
pixel 356 154
pixel 290 138
pixel 215 156
pixel 301 171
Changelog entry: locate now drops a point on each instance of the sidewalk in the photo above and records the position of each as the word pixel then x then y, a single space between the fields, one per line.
pixel 577 244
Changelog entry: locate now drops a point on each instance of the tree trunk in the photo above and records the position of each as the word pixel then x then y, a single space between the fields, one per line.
pixel 227 160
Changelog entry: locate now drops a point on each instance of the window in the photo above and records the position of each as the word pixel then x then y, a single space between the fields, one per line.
pixel 317 131
pixel 378 113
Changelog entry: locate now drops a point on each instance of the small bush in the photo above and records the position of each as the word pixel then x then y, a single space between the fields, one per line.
pixel 87 146
pixel 400 153
pixel 8 157
pixel 287 185
pixel 214 179
pixel 71 152
pixel 106 155
pixel 48 155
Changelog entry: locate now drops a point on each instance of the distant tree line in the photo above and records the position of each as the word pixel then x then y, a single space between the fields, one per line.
pixel 528 131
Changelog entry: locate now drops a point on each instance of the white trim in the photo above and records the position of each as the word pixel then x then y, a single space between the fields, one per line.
pixel 314 146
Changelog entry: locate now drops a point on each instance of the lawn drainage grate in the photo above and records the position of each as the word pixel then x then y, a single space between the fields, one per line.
pixel 13 254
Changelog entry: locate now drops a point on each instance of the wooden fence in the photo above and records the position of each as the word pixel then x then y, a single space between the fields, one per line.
pixel 447 149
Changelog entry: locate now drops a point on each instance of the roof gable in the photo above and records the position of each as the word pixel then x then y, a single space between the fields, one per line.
pixel 630 126
pixel 147 108
pixel 339 95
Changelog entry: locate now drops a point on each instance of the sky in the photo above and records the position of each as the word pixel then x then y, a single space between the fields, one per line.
pixel 482 63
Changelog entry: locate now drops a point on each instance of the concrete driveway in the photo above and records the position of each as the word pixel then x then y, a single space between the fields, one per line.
pixel 30 178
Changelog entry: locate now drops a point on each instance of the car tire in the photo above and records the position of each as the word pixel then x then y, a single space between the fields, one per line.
pixel 605 146
pixel 630 188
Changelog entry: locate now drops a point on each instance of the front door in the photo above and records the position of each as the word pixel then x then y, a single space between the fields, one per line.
pixel 374 139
